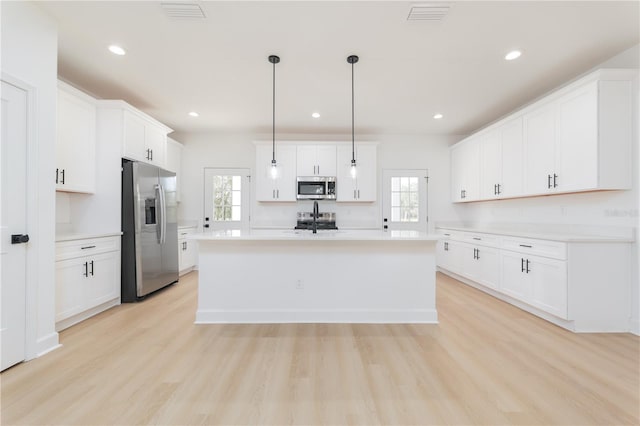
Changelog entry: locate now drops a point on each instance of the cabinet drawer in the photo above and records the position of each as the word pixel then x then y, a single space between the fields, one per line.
pixel 186 232
pixel 88 247
pixel 545 248
pixel 448 234
pixel 480 239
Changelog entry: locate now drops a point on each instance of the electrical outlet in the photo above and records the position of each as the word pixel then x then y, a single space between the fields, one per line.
pixel 299 285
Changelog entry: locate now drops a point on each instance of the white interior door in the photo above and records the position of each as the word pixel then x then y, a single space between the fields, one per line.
pixel 404 199
pixel 13 212
pixel 227 198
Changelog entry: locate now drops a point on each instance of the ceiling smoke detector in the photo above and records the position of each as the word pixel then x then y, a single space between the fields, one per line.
pixel 431 12
pixel 183 10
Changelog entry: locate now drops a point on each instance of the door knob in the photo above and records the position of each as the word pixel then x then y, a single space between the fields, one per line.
pixel 19 238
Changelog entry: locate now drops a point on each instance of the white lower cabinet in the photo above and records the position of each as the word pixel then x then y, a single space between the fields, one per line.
pixel 579 285
pixel 87 278
pixel 187 250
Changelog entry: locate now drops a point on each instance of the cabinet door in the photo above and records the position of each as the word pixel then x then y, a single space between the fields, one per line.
pixel 265 184
pixel 75 144
pixel 549 285
pixel 156 143
pixel 326 160
pixel 577 141
pixel 134 137
pixel 307 164
pixel 286 182
pixel 465 177
pixel 457 173
pixel 70 287
pixel 539 138
pixel 515 282
pixel 103 283
pixel 471 267
pixel 283 187
pixel 512 159
pixel 490 164
pixel 190 254
pixel 367 176
pixel 442 254
pixel 489 260
pixel 346 185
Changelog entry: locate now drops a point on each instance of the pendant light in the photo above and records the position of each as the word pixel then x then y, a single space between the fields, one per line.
pixel 274 166
pixel 352 60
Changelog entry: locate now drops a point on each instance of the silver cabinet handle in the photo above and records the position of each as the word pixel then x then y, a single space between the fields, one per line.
pixel 278 193
pixel 358 194
pixel 273 193
pixel 354 194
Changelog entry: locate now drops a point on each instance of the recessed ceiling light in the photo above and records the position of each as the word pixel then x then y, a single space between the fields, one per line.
pixel 438 116
pixel 194 114
pixel 514 54
pixel 117 50
pixel 316 115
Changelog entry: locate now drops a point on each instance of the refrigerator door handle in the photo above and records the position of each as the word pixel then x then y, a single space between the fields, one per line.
pixel 159 213
pixel 163 217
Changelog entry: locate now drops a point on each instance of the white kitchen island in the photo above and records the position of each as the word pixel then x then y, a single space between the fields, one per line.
pixel 280 276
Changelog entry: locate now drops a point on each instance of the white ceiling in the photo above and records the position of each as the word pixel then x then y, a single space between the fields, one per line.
pixel 407 71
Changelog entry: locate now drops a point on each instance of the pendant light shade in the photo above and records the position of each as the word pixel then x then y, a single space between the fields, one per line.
pixel 274 166
pixel 354 172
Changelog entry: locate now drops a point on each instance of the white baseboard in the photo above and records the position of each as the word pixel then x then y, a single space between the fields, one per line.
pixel 68 322
pixel 427 316
pixel 47 344
pixel 635 326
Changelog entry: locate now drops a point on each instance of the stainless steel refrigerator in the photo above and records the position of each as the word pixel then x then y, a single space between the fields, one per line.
pixel 149 230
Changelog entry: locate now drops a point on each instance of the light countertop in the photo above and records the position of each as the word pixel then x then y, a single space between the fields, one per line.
pixel 541 233
pixel 84 236
pixel 323 235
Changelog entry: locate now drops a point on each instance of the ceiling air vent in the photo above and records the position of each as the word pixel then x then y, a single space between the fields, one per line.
pixel 183 10
pixel 428 12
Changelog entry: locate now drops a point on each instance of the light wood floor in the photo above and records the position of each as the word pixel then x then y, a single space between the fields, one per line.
pixel 485 363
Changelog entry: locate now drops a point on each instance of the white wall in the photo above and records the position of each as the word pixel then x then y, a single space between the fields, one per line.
pixel 611 208
pixel 238 151
pixel 29 53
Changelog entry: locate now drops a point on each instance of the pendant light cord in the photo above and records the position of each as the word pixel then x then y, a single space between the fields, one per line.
pixel 273 125
pixel 353 138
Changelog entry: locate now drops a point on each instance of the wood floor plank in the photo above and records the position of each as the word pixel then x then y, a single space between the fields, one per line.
pixel 487 362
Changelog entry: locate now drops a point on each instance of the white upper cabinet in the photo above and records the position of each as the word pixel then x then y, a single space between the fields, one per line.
pixel 364 188
pixel 581 141
pixel 539 137
pixel 501 154
pixel 512 183
pixel 578 138
pixel 283 187
pixel 144 139
pixel 75 141
pixel 316 160
pixel 465 171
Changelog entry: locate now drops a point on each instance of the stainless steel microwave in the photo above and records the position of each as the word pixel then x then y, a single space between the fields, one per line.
pixel 316 188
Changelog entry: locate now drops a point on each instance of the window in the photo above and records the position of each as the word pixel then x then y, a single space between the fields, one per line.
pixel 227 197
pixel 404 199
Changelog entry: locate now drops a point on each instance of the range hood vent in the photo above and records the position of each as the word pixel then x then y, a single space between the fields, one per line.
pixel 183 10
pixel 432 12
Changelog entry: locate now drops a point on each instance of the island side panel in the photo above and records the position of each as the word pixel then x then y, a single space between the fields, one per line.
pixel 316 281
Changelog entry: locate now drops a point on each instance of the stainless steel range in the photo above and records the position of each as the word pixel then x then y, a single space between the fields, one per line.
pixel 323 221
